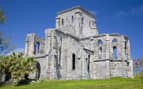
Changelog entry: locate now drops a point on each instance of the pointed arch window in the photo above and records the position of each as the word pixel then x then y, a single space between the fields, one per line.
pixel 115 53
pixel 73 61
pixel 114 41
pixel 62 21
pixel 100 43
pixel 37 48
pixel 100 52
pixel 72 19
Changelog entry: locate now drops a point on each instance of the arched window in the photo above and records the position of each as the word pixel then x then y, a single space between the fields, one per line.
pixel 114 40
pixel 38 70
pixel 115 53
pixel 100 43
pixel 100 52
pixel 36 48
pixel 62 21
pixel 88 61
pixel 82 20
pixel 73 61
pixel 72 19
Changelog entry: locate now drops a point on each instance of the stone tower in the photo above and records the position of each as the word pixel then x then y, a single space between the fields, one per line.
pixel 81 21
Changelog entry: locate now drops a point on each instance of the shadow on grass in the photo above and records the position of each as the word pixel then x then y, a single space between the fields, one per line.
pixel 20 83
pixel 25 82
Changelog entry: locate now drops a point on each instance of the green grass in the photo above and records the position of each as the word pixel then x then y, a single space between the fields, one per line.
pixel 115 83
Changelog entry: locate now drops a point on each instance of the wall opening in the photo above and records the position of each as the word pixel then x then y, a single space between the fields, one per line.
pixel 100 52
pixel 88 64
pixel 126 48
pixel 72 19
pixel 58 22
pixel 115 53
pixel 38 70
pixel 100 43
pixel 62 21
pixel 114 41
pixel 82 20
pixel 37 48
pixel 73 61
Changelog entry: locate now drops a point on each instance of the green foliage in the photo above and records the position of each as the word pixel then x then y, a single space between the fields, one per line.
pixel 5 45
pixel 17 65
pixel 115 83
pixel 2 17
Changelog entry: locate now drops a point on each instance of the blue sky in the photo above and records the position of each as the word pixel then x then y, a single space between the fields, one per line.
pixel 112 16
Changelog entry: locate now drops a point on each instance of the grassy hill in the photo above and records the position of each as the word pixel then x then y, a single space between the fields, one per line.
pixel 115 83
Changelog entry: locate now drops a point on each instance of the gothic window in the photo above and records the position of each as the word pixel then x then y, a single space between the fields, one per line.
pixel 126 48
pixel 73 61
pixel 114 41
pixel 100 52
pixel 72 19
pixel 115 53
pixel 91 24
pixel 62 21
pixel 82 20
pixel 100 43
pixel 36 48
pixel 58 22
pixel 88 61
pixel 38 70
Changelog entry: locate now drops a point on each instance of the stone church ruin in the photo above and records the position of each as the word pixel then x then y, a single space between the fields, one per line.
pixel 74 50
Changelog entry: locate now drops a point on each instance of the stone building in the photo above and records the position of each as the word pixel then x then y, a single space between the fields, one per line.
pixel 75 50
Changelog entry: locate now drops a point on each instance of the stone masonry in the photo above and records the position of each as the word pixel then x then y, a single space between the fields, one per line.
pixel 74 50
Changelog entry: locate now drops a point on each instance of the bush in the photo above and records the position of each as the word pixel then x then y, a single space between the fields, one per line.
pixel 16 66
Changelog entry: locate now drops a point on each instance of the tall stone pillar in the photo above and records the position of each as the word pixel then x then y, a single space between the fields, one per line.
pixel 107 56
pixel 51 50
pixel 29 44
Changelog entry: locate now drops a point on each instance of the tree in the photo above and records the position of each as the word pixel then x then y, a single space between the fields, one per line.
pixel 2 17
pixel 5 46
pixel 16 67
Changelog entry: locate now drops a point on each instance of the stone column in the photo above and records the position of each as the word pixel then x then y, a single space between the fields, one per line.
pixel 29 45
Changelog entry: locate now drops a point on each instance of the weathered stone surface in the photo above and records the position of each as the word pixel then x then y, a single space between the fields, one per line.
pixel 75 50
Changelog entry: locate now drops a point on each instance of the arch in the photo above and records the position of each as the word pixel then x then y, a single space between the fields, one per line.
pixel 100 53
pixel 62 21
pixel 115 53
pixel 126 48
pixel 38 70
pixel 100 42
pixel 72 19
pixel 114 40
pixel 58 22
pixel 88 65
pixel 73 61
pixel 37 48
pixel 82 20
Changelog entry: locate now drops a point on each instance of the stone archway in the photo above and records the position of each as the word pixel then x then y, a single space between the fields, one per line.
pixel 38 71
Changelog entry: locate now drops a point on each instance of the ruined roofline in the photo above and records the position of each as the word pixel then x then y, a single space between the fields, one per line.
pixel 34 35
pixel 104 34
pixel 95 36
pixel 76 38
pixel 117 34
pixel 76 7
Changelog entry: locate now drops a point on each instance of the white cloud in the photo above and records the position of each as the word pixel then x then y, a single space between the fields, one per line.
pixel 132 11
pixel 137 11
pixel 121 13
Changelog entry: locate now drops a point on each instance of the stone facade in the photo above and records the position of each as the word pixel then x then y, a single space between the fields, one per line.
pixel 75 50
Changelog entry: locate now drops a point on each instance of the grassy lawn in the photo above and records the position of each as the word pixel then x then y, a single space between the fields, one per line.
pixel 115 83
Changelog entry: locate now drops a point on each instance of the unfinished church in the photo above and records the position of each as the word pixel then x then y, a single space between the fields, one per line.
pixel 75 50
